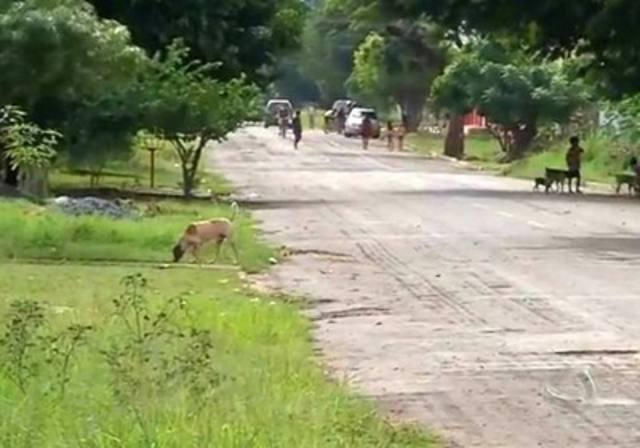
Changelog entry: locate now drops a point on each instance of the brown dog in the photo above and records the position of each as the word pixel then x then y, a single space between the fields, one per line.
pixel 200 233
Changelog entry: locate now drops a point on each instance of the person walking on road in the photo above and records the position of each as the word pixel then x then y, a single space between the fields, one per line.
pixel 400 132
pixel 341 118
pixel 296 127
pixel 574 162
pixel 367 131
pixel 390 135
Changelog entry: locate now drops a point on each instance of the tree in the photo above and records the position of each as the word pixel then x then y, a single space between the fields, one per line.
pixel 292 84
pixel 516 93
pixel 185 106
pixel 29 148
pixel 327 50
pixel 103 129
pixel 369 76
pixel 594 27
pixel 55 54
pixel 386 63
pixel 398 67
pixel 452 91
pixel 245 36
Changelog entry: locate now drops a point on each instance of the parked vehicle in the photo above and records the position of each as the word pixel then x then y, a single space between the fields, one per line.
pixel 272 111
pixel 353 126
pixel 344 105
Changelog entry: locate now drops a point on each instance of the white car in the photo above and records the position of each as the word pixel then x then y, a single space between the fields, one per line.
pixel 353 126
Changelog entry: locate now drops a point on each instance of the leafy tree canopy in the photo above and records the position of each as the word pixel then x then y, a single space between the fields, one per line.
pixel 56 54
pixel 595 27
pixel 244 35
pixel 516 92
pixel 329 42
pixel 398 67
pixel 181 103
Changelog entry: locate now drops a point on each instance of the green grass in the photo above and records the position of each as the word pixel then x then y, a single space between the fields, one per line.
pixel 601 161
pixel 263 387
pixel 318 115
pixel 29 231
pixel 136 173
pixel 481 150
pixel 270 393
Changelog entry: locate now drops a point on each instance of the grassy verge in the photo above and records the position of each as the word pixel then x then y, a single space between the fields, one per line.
pixel 481 150
pixel 254 384
pixel 170 357
pixel 135 172
pixel 601 161
pixel 35 232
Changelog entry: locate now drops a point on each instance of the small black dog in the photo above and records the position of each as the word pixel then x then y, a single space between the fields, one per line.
pixel 539 182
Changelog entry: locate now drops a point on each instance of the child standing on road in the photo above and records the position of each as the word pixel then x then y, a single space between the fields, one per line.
pixel 400 133
pixel 574 162
pixel 296 127
pixel 390 135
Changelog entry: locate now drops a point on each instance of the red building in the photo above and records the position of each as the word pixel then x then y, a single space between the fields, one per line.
pixel 475 120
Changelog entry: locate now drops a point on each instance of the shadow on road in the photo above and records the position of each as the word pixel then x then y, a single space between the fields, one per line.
pixel 515 195
pixel 624 244
pixel 275 204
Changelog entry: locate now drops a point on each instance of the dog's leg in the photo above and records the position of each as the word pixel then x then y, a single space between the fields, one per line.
pixel 235 251
pixel 195 251
pixel 196 255
pixel 218 250
pixel 618 187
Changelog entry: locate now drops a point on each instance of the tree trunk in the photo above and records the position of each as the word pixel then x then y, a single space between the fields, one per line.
pixel 454 142
pixel 523 138
pixel 11 175
pixel 187 180
pixel 34 182
pixel 190 161
pixel 412 111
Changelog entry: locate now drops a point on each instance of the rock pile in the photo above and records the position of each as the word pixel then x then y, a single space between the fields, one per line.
pixel 116 209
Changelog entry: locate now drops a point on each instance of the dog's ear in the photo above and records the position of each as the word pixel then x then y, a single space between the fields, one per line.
pixel 178 253
pixel 191 230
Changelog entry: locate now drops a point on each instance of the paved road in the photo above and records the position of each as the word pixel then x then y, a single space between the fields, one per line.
pixel 462 301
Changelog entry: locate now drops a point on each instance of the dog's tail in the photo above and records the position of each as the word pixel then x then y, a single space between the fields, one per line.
pixel 235 210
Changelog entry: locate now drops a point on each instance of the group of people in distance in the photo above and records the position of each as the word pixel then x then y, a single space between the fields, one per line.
pixel 394 134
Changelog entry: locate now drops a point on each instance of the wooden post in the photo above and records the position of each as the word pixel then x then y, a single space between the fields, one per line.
pixel 152 167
